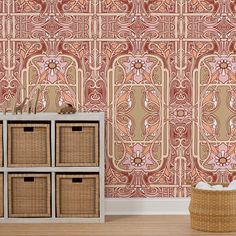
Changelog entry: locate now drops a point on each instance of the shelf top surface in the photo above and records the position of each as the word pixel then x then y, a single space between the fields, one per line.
pixel 54 116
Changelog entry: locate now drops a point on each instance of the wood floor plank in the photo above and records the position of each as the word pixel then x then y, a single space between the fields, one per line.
pixel 114 226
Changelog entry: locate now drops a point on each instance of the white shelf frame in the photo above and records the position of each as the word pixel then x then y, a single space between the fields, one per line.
pixel 53 118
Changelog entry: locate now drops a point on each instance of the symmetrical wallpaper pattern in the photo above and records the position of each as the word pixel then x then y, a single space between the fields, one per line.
pixel 163 71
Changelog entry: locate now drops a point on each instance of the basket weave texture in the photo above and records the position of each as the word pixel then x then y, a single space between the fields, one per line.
pixel 29 195
pixel 213 210
pixel 77 195
pixel 77 144
pixel 28 145
pixel 1 145
pixel 1 195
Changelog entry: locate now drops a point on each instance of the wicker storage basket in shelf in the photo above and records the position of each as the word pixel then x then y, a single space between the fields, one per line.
pixel 77 195
pixel 213 210
pixel 77 144
pixel 29 195
pixel 1 195
pixel 1 146
pixel 28 145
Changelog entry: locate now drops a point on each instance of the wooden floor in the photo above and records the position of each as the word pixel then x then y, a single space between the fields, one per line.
pixel 114 226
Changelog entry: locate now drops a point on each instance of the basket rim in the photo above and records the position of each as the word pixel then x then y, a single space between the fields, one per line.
pixel 193 187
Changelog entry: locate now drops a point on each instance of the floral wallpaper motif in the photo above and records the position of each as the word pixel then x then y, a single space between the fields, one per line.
pixel 163 71
pixel 215 136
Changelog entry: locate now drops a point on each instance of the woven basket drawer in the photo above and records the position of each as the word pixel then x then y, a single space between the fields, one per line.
pixel 1 146
pixel 77 195
pixel 29 195
pixel 77 144
pixel 28 145
pixel 1 195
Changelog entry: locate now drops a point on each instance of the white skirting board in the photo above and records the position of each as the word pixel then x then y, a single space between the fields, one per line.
pixel 147 206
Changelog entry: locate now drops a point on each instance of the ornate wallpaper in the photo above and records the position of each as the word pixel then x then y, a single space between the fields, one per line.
pixel 163 71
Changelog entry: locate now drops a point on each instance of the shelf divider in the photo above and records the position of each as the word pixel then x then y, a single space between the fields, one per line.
pixel 5 178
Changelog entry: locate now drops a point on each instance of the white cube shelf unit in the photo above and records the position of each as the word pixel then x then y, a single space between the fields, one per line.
pixel 52 172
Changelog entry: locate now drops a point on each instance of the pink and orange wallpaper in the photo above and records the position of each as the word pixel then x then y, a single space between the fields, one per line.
pixel 163 71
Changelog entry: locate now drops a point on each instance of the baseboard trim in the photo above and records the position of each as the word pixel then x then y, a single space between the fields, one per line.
pixel 147 206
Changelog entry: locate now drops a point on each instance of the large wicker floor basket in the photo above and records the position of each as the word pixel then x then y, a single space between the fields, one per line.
pixel 213 211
